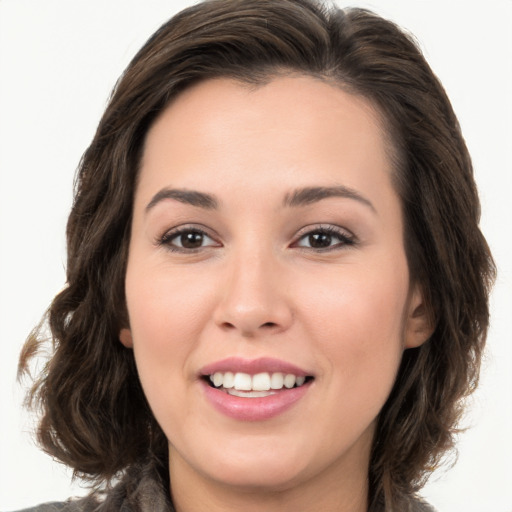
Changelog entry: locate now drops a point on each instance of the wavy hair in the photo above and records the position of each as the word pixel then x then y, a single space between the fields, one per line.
pixel 94 416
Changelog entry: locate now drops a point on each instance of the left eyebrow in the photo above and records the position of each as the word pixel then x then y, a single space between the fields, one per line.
pixel 308 195
pixel 191 197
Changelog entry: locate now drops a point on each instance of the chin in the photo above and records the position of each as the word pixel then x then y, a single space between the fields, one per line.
pixel 272 476
pixel 252 465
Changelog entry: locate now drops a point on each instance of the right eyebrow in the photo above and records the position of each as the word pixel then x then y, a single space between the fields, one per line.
pixel 191 197
pixel 308 195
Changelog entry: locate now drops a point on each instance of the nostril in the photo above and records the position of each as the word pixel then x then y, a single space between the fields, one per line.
pixel 249 329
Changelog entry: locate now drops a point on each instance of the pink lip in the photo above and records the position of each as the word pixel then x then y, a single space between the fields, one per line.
pixel 252 366
pixel 253 409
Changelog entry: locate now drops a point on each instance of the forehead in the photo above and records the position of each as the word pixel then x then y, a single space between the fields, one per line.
pixel 295 128
pixel 300 99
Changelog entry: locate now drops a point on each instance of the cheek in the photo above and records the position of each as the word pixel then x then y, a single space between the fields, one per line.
pixel 362 345
pixel 164 302
pixel 357 304
pixel 166 316
pixel 357 321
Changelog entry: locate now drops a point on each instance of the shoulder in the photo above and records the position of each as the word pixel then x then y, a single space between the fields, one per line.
pixel 82 505
pixel 141 489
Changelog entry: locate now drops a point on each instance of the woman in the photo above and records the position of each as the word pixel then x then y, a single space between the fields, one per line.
pixel 266 306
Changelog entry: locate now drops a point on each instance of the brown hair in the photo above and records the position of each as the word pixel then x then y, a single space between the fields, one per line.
pixel 94 414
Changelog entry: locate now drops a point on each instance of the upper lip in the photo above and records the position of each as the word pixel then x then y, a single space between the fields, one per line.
pixel 253 366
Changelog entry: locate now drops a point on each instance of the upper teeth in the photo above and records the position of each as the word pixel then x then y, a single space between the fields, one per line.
pixel 259 382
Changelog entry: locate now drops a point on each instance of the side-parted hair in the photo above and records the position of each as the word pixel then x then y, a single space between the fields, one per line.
pixel 94 416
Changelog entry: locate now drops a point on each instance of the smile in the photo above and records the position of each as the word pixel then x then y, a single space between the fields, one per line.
pixel 255 386
pixel 254 390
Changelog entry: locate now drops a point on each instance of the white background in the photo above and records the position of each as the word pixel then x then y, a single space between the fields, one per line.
pixel 58 61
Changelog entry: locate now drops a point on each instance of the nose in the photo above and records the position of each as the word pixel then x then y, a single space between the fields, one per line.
pixel 254 299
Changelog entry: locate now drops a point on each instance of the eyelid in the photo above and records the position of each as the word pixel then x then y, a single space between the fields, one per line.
pixel 347 238
pixel 172 233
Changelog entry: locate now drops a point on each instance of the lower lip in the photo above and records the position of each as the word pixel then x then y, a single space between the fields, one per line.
pixel 254 409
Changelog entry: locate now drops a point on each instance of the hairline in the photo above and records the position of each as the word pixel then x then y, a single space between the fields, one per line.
pixel 258 77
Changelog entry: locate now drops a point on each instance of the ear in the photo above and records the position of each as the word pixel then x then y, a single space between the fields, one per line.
pixel 419 324
pixel 125 337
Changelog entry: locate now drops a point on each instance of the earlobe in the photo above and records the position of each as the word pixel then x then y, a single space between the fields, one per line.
pixel 125 337
pixel 419 323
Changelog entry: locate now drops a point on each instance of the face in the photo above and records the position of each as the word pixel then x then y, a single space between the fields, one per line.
pixel 267 255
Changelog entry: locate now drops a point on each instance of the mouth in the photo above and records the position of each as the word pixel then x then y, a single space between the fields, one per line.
pixel 254 389
pixel 259 385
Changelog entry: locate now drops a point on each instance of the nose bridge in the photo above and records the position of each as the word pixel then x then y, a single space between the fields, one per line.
pixel 253 299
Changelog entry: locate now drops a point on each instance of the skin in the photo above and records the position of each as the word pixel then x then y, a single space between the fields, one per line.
pixel 255 287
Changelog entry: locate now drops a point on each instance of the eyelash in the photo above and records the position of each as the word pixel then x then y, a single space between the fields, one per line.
pixel 344 239
pixel 168 238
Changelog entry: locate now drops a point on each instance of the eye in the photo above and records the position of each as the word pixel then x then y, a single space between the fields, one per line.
pixel 325 238
pixel 187 239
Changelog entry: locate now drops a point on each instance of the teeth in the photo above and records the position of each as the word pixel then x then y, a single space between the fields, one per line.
pixel 257 383
pixel 299 380
pixel 289 381
pixel 218 379
pixel 243 382
pixel 229 380
pixel 277 381
pixel 261 382
pixel 250 394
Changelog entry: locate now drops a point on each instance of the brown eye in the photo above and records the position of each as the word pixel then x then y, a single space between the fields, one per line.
pixel 319 240
pixel 324 239
pixel 191 240
pixel 187 240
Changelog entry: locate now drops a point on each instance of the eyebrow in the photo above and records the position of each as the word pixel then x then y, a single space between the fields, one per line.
pixel 308 195
pixel 191 197
pixel 299 197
